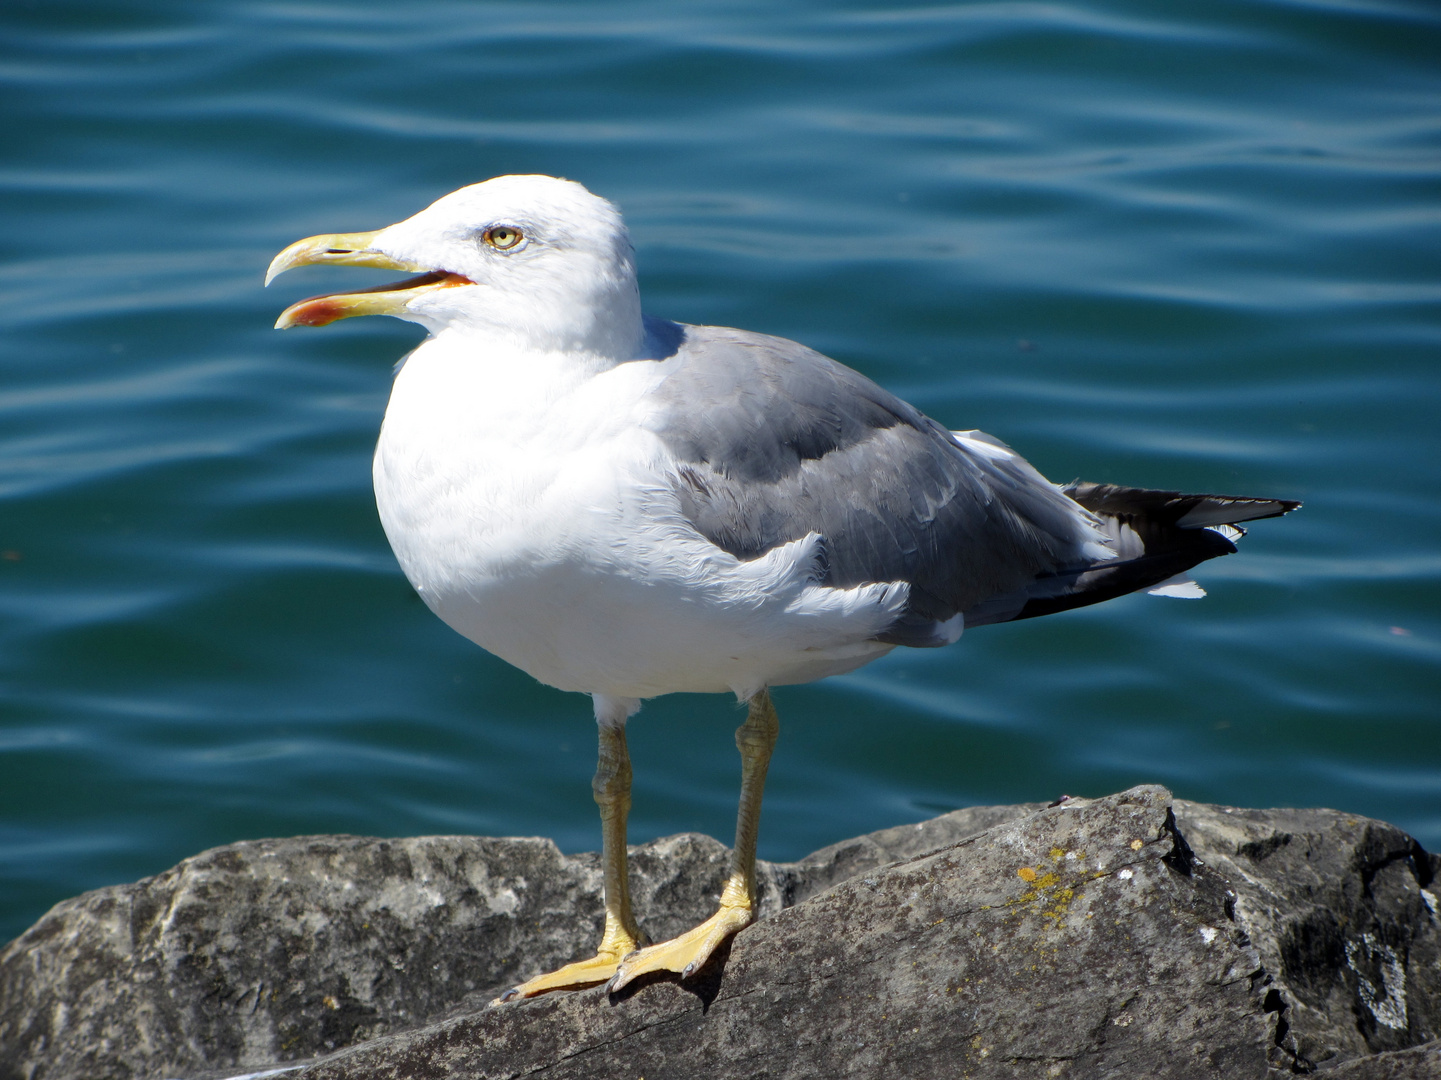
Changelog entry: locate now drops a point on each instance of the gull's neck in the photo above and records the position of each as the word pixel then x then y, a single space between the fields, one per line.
pixel 525 358
pixel 591 313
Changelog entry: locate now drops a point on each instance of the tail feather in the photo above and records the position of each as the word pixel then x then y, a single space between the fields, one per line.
pixel 1156 535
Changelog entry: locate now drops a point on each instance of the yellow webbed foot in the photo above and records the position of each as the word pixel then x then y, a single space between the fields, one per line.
pixel 688 953
pixel 575 976
pixel 582 973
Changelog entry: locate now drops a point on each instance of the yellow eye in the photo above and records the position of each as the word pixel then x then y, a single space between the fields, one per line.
pixel 503 237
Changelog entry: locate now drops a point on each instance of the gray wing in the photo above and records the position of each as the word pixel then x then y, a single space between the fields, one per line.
pixel 775 441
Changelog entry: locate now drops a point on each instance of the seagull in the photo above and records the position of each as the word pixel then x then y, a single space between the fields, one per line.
pixel 626 506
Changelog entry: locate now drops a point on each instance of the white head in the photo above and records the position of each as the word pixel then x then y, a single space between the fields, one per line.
pixel 534 260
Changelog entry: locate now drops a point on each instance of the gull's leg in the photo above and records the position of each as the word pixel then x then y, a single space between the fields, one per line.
pixel 688 953
pixel 612 795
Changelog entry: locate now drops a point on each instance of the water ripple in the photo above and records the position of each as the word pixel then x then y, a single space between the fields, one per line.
pixel 1188 247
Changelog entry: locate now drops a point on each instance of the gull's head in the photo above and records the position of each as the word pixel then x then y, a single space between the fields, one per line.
pixel 533 260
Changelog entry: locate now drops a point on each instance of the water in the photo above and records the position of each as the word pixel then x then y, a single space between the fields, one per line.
pixel 1194 245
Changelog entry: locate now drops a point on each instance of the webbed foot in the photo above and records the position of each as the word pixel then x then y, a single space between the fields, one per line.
pixel 577 976
pixel 688 953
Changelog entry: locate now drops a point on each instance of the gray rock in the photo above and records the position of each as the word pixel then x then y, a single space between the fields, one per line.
pixel 1072 941
pixel 1342 911
pixel 1420 1063
pixel 1046 944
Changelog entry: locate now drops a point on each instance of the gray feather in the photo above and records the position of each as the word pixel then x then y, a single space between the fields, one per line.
pixel 775 441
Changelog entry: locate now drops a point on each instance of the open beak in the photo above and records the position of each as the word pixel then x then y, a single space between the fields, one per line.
pixel 353 249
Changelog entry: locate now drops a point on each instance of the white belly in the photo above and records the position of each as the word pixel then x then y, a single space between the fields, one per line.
pixel 533 513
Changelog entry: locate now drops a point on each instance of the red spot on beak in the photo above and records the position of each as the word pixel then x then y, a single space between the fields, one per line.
pixel 317 311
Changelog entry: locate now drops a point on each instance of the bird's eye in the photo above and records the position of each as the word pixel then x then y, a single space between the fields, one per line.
pixel 503 237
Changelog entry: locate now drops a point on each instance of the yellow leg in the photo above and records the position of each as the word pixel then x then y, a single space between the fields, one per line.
pixel 612 795
pixel 687 954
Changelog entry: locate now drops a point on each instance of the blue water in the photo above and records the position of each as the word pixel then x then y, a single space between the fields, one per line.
pixel 1191 245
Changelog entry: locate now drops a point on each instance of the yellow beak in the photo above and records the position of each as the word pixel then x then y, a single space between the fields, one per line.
pixel 353 249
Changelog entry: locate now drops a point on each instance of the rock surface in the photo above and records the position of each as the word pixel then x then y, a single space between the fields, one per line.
pixel 1091 939
pixel 1343 913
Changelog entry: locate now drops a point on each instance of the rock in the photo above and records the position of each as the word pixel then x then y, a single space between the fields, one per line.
pixel 1342 911
pixel 1094 938
pixel 1073 940
pixel 1420 1063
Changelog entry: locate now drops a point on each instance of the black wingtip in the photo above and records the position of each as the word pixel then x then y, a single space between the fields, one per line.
pixel 1176 508
pixel 1176 531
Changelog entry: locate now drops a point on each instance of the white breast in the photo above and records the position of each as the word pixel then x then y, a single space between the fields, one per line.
pixel 533 512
